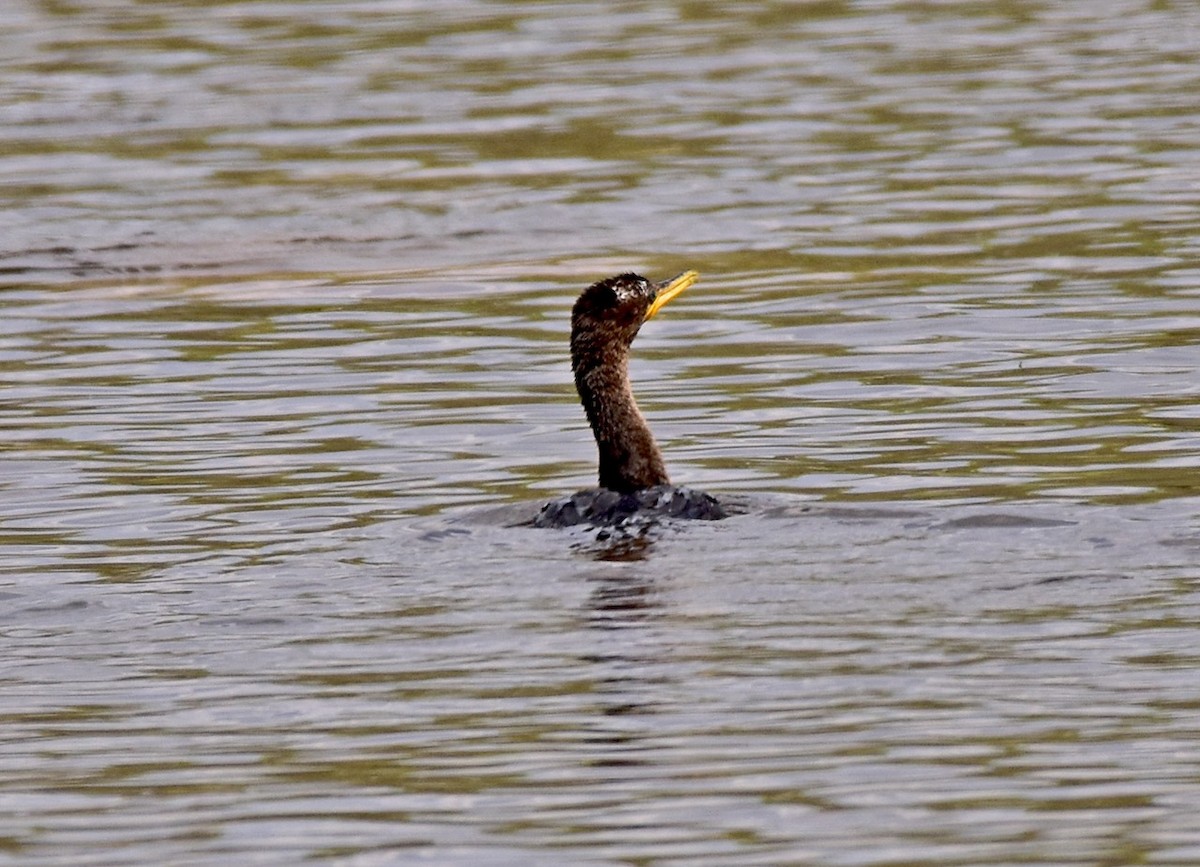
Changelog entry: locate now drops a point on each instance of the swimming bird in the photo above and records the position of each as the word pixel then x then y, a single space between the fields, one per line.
pixel 634 485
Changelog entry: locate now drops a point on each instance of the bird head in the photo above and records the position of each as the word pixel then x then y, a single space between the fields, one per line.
pixel 613 310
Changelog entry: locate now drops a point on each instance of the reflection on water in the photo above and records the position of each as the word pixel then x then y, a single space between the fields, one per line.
pixel 285 293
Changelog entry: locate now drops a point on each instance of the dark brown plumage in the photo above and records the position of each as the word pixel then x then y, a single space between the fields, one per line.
pixel 633 477
pixel 604 322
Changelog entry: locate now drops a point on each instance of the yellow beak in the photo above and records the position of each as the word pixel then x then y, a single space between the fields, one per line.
pixel 669 289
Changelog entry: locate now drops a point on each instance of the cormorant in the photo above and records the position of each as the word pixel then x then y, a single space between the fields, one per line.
pixel 634 486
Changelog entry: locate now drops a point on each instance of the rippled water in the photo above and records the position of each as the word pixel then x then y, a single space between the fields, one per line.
pixel 283 300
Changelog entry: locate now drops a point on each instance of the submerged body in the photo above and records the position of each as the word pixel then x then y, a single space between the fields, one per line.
pixel 601 507
pixel 633 477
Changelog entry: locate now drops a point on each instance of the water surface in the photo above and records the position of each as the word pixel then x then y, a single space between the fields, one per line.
pixel 284 293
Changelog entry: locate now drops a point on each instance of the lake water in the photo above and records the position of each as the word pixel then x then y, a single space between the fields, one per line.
pixel 284 295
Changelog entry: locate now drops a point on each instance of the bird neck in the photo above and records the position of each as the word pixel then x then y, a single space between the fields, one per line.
pixel 629 457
